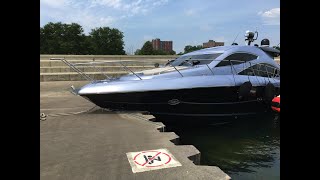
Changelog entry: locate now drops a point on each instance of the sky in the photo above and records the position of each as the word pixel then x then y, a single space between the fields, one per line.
pixel 185 22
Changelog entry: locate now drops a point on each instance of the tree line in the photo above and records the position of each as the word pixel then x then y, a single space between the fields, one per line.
pixel 60 38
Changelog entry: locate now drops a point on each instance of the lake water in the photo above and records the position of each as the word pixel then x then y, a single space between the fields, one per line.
pixel 244 148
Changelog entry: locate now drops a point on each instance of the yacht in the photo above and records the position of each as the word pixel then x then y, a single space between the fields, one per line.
pixel 230 80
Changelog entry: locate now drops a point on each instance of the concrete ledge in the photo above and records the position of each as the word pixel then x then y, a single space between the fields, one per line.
pixel 149 119
pixel 191 152
pixel 215 171
pixel 174 138
pixel 45 64
pixel 188 150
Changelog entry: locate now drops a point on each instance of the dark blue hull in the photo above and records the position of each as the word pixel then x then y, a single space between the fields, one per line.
pixel 211 102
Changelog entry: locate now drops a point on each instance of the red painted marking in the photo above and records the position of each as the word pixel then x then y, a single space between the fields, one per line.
pixel 168 156
pixel 138 163
pixel 151 158
pixel 136 156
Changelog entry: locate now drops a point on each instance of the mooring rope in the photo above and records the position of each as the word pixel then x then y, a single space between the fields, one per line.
pixel 43 116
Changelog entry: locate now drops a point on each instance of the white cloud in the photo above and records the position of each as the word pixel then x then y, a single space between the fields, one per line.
pixel 220 39
pixel 95 13
pixel 273 13
pixel 108 3
pixel 270 17
pixel 54 3
pixel 205 27
pixel 190 12
pixel 130 7
pixel 74 11
pixel 147 38
pixel 160 2
pixel 88 21
pixel 193 43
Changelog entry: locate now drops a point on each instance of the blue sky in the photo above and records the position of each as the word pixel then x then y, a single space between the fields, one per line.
pixel 185 22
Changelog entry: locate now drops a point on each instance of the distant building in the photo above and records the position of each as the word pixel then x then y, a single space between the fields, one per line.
pixel 162 45
pixel 212 43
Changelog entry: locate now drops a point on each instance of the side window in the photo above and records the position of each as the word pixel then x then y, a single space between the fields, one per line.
pixel 189 59
pixel 223 63
pixel 237 58
pixel 204 58
pixel 247 72
pixel 272 71
pixel 261 70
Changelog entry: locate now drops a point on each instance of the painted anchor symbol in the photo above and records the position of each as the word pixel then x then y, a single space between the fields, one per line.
pixel 151 158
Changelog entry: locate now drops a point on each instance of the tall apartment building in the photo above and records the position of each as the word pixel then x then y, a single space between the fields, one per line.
pixel 162 45
pixel 212 43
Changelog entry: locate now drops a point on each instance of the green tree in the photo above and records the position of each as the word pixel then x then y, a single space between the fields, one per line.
pixel 51 38
pixel 172 52
pixel 72 39
pixel 190 48
pixel 58 38
pixel 146 49
pixel 137 52
pixel 159 52
pixel 105 40
pixel 42 41
pixel 86 46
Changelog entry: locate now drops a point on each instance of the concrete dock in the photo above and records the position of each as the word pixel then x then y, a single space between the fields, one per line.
pixel 81 141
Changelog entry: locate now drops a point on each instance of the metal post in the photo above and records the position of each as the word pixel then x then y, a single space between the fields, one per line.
pixel 254 73
pixel 77 70
pixel 94 66
pixel 130 70
pixel 210 69
pixel 177 70
pixel 232 73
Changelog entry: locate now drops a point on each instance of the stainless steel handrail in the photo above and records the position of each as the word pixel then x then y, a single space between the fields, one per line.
pixel 121 62
pixel 74 68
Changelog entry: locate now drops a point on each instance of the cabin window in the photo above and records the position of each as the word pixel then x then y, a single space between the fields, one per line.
pixel 237 58
pixel 188 60
pixel 247 72
pixel 263 70
pixel 272 71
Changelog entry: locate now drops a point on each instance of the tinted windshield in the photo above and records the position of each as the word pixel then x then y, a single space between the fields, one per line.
pixel 187 60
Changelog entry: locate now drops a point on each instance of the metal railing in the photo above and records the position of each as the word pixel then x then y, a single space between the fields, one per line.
pixel 256 70
pixel 93 64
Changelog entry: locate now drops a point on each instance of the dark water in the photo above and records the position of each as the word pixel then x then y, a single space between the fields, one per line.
pixel 244 148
